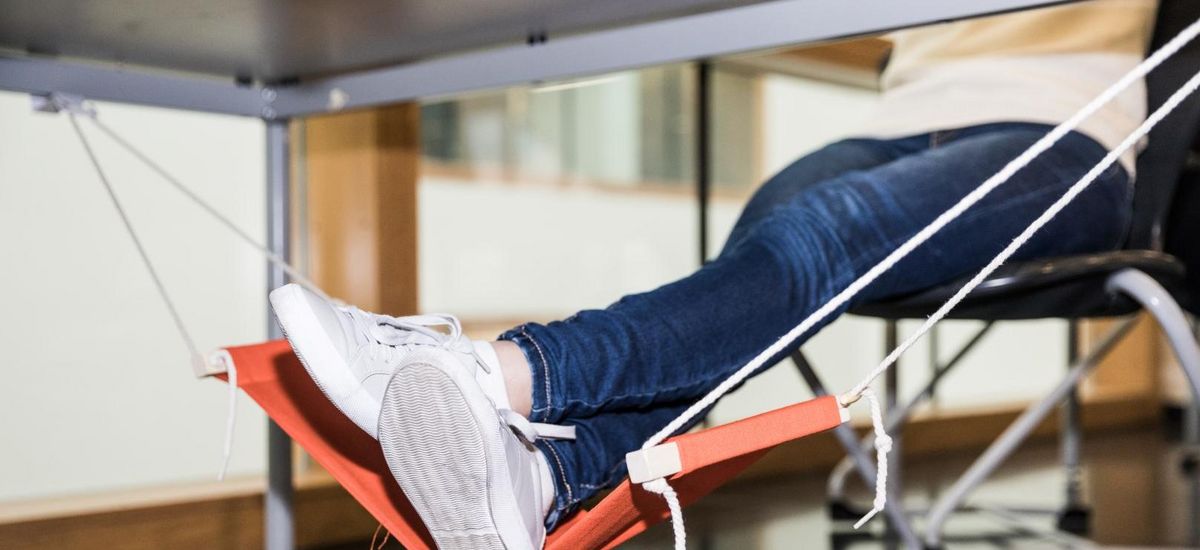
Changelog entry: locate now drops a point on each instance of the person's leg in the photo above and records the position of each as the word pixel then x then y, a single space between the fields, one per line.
pixel 621 373
pixel 831 161
pixel 835 159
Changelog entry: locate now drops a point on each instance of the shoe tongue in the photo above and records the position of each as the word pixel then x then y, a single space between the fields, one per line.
pixel 394 335
pixel 361 338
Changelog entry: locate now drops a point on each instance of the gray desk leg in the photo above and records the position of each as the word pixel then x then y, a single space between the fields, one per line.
pixel 279 527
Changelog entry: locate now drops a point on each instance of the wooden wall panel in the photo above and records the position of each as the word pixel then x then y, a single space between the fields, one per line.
pixel 1131 370
pixel 360 171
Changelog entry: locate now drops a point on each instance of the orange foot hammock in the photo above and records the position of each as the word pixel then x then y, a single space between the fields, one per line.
pixel 271 375
pixel 680 469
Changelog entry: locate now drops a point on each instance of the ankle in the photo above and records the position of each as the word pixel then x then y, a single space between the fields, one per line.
pixel 518 381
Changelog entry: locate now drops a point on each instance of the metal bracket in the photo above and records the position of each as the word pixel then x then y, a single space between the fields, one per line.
pixel 55 102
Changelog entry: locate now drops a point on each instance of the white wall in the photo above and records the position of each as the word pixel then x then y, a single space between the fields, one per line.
pixel 96 390
pixel 97 393
pixel 490 250
pixel 801 115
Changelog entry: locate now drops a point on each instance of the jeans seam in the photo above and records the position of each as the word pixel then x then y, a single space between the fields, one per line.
pixel 941 137
pixel 561 474
pixel 656 392
pixel 545 368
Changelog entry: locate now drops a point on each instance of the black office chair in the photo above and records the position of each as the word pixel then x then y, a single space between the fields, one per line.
pixel 1157 270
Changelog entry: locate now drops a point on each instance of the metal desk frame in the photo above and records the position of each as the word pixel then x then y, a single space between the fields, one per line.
pixel 693 37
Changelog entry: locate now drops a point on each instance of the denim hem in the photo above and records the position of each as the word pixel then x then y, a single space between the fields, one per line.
pixel 564 496
pixel 539 370
pixel 541 402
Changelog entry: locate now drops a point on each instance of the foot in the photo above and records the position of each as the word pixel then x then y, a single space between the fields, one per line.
pixel 475 482
pixel 351 354
pixel 433 400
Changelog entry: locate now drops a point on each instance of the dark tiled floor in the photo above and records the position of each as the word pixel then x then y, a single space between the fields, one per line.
pixel 1141 495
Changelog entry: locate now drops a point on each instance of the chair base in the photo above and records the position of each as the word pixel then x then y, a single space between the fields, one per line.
pixel 1076 520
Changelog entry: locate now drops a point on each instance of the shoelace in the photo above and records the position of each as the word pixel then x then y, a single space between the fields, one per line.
pixel 389 334
pixel 392 333
pixel 532 431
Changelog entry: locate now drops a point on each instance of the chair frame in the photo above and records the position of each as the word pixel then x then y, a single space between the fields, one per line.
pixel 1140 287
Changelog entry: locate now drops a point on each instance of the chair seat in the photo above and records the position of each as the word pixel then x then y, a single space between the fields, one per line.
pixel 1066 287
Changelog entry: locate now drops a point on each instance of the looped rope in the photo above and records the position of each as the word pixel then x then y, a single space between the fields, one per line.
pixel 883 442
pixel 883 446
pixel 292 272
pixel 661 487
pixel 852 290
pixel 230 420
pixel 74 108
pixel 1006 173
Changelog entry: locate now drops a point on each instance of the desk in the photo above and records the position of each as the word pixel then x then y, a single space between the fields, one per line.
pixel 275 60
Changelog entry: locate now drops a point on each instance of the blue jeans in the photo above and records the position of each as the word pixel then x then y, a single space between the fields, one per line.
pixel 621 373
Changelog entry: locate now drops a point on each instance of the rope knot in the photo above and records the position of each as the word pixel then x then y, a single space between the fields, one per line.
pixel 883 443
pixel 883 446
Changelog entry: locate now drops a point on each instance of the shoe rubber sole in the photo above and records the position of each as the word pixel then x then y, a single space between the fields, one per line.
pixel 443 441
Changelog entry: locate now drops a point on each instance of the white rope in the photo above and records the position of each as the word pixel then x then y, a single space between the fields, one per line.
pixel 197 358
pixel 230 420
pixel 1022 160
pixel 137 243
pixel 661 487
pixel 275 259
pixel 883 446
pixel 1111 158
pixel 863 387
pixel 924 234
pixel 272 257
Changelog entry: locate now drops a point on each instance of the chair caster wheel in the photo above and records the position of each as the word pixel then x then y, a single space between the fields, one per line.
pixel 840 510
pixel 1075 520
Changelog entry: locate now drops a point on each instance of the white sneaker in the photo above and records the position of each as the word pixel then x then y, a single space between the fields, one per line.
pixel 437 404
pixel 473 480
pixel 351 354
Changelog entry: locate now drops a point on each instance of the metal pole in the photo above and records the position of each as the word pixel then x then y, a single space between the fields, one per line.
pixel 278 528
pixel 934 365
pixel 1016 432
pixel 891 398
pixel 866 470
pixel 895 419
pixel 1073 517
pixel 703 182
pixel 703 150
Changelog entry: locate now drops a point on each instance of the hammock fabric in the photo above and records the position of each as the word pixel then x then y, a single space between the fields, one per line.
pixel 272 375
